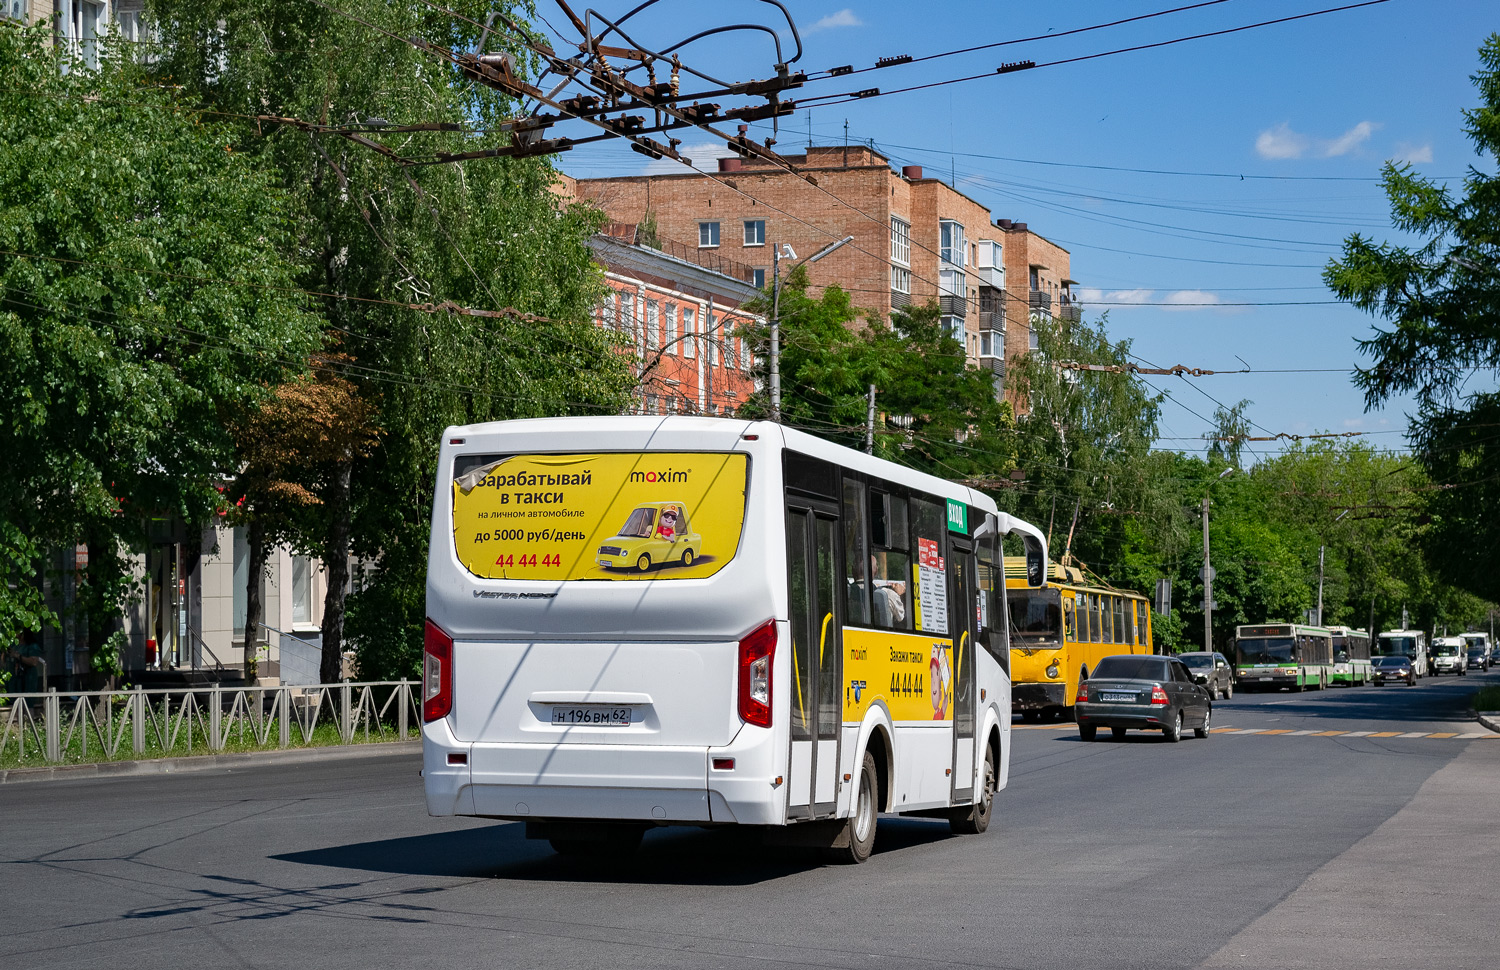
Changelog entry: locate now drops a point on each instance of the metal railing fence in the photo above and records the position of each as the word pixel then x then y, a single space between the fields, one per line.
pixel 60 728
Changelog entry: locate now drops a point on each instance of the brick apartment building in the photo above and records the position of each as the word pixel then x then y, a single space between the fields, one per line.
pixel 915 239
pixel 79 22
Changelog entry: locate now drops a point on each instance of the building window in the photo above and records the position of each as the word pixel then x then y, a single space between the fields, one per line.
pixel 954 327
pixel 1031 340
pixel 711 330
pixel 653 325
pixel 759 277
pixel 951 246
pixel 690 338
pixel 991 344
pixel 302 590
pixel 627 314
pixel 240 604
pixel 669 338
pixel 14 9
pixel 708 235
pixel 755 232
pixel 900 243
pixel 951 282
pixel 900 279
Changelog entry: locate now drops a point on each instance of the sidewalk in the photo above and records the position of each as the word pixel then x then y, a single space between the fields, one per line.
pixel 1413 893
pixel 206 762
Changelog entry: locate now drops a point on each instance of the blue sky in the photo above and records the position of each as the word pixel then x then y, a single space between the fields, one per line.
pixel 1306 111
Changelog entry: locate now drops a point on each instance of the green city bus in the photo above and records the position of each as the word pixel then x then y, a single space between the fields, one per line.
pixel 1277 655
pixel 1351 657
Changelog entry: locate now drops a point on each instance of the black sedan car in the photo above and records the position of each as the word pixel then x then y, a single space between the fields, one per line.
pixel 1143 692
pixel 1478 659
pixel 1389 670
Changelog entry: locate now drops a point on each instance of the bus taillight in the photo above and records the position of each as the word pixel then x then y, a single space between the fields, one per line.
pixel 756 652
pixel 437 673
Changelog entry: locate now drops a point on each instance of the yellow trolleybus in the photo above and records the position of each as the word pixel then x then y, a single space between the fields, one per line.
pixel 1060 633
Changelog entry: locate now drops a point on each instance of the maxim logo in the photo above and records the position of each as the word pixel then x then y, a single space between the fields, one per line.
pixel 667 477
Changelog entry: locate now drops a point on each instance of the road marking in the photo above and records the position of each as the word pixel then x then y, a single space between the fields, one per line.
pixel 1386 734
pixel 1298 734
pixel 1277 731
pixel 1328 734
pixel 1413 734
pixel 1247 731
pixel 1359 734
pixel 1442 735
pixel 1230 730
pixel 1475 734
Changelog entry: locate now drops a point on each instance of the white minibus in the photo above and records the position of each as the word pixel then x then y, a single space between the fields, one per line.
pixel 639 621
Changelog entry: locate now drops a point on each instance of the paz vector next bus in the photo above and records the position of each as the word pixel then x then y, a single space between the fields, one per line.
pixel 826 642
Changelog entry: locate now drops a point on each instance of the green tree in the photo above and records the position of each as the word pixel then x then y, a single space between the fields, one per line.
pixel 490 235
pixel 146 274
pixel 1440 300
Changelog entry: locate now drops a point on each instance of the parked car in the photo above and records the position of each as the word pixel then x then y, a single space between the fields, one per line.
pixel 1392 670
pixel 1448 655
pixel 1211 670
pixel 1479 657
pixel 1142 692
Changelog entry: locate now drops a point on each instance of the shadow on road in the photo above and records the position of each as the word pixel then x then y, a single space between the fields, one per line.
pixel 668 856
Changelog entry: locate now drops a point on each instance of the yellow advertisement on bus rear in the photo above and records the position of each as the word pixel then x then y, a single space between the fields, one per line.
pixel 600 516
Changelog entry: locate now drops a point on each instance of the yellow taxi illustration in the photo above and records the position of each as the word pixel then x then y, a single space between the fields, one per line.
pixel 657 533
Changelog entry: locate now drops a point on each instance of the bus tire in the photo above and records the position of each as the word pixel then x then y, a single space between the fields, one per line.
pixel 1173 732
pixel 974 819
pixel 859 829
pixel 644 563
pixel 687 557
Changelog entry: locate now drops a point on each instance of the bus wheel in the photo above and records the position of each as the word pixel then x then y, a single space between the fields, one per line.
pixel 643 563
pixel 687 557
pixel 975 818
pixel 859 830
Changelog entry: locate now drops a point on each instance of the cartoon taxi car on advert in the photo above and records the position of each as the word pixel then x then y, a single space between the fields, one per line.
pixel 657 533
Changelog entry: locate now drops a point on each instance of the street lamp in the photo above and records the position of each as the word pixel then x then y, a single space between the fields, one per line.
pixel 1321 547
pixel 776 311
pixel 1208 575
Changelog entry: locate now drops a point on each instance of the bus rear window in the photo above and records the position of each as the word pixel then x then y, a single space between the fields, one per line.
pixel 598 516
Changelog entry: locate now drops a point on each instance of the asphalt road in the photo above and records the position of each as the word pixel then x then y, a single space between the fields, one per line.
pixel 1243 850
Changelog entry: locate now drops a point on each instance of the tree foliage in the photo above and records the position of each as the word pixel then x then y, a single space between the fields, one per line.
pixel 145 267
pixel 1439 299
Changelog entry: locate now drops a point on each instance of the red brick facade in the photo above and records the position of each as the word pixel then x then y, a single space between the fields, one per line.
pixel 984 281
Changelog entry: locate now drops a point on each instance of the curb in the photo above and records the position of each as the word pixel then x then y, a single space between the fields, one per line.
pixel 206 762
pixel 1490 719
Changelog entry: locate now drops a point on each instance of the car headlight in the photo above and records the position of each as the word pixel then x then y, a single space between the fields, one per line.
pixel 1052 670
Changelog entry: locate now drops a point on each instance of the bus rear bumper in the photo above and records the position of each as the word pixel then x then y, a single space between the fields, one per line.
pixel 1037 697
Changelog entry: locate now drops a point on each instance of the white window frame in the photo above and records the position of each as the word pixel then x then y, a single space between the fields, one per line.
pixel 669 336
pixel 653 325
pixel 759 277
pixel 708 235
pixel 301 588
pixel 689 332
pixel 15 10
pixel 951 282
pixel 900 242
pixel 951 243
pixel 627 316
pixel 755 232
pixel 954 327
pixel 991 344
pixel 900 280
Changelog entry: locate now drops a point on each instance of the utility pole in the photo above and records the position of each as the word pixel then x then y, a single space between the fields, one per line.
pixel 776 334
pixel 1320 584
pixel 1208 587
pixel 870 423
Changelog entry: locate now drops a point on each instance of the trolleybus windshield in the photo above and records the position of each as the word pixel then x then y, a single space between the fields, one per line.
pixel 1035 616
pixel 1270 650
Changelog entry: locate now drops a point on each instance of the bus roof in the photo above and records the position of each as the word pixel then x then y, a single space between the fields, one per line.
pixel 1279 630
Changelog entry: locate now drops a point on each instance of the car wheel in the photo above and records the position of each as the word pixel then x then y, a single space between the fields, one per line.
pixel 1202 732
pixel 974 819
pixel 1088 732
pixel 1228 691
pixel 687 557
pixel 643 563
pixel 1118 733
pixel 860 828
pixel 1173 731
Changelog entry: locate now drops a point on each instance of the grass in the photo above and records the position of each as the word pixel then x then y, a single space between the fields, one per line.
pixel 1488 699
pixel 190 739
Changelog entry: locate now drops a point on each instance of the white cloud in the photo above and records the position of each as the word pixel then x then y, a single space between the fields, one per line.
pixel 705 158
pixel 1349 140
pixel 1177 301
pixel 1411 154
pixel 1281 142
pixel 843 18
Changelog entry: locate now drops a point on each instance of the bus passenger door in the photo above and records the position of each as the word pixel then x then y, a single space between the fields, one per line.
pixel 963 626
pixel 817 653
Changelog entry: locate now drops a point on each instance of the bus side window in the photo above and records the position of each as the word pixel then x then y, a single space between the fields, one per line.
pixel 929 522
pixel 856 556
pixel 1070 619
pixel 1128 608
pixel 993 606
pixel 890 561
pixel 1096 618
pixel 1121 635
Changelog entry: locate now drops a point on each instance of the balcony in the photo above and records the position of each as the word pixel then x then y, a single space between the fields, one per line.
pixel 992 320
pixel 954 306
pixel 1069 309
pixel 899 300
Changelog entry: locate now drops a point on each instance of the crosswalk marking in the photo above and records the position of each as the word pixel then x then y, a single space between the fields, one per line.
pixel 1328 734
pixel 1277 731
pixel 1413 734
pixel 1359 734
pixel 1442 735
pixel 1386 734
pixel 1298 734
pixel 1474 734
